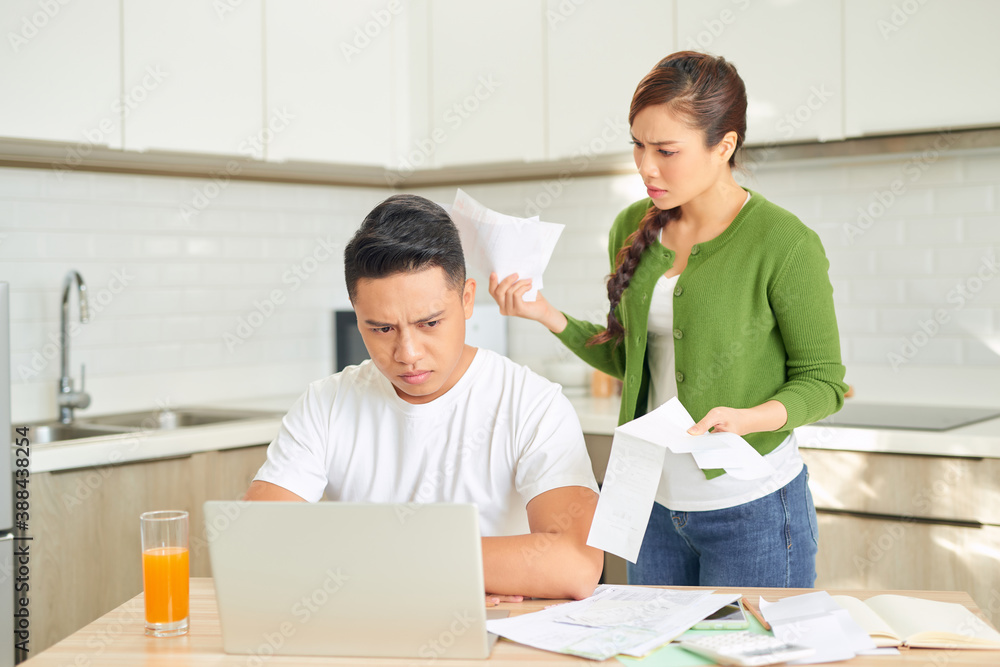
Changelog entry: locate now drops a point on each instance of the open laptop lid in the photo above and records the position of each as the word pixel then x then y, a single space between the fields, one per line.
pixel 348 579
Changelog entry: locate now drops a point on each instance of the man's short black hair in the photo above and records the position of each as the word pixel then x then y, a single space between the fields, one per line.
pixel 403 234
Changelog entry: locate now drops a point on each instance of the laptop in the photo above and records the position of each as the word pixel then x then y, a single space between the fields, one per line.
pixel 349 579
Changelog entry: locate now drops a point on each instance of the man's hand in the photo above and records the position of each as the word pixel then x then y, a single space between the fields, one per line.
pixel 494 600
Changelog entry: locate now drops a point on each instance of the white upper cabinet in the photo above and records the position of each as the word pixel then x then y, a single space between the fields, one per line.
pixel 60 73
pixel 417 84
pixel 487 82
pixel 597 54
pixel 788 53
pixel 330 70
pixel 913 65
pixel 193 77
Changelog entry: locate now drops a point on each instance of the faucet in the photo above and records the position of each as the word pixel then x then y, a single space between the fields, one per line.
pixel 67 398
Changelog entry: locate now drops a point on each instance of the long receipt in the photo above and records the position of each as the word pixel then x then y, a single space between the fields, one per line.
pixel 633 474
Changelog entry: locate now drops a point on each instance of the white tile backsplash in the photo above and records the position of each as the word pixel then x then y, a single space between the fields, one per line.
pixel 164 291
pixel 939 232
pixel 965 199
pixel 191 285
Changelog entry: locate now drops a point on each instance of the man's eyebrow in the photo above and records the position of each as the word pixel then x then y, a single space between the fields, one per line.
pixel 429 318
pixel 432 316
pixel 656 143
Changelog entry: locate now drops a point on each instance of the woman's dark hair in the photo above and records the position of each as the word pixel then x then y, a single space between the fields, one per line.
pixel 705 92
pixel 404 233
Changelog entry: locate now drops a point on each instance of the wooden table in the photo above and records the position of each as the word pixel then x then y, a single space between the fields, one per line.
pixel 117 638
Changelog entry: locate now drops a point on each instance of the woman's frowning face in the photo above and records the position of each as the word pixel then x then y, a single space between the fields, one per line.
pixel 672 159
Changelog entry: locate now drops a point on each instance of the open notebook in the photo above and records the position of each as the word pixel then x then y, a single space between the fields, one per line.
pixel 898 620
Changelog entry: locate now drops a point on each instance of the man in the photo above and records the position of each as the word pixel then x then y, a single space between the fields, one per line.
pixel 431 419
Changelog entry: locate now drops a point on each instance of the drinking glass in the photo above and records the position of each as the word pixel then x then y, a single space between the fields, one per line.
pixel 165 572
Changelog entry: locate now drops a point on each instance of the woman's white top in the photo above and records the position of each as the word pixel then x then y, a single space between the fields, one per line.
pixel 683 486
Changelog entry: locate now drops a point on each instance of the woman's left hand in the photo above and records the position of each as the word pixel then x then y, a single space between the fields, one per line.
pixel 769 416
pixel 719 420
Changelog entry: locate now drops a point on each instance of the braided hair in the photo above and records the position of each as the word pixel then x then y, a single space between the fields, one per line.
pixel 709 94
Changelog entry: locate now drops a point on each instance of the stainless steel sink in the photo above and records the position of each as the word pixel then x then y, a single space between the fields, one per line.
pixel 173 419
pixel 132 422
pixel 56 432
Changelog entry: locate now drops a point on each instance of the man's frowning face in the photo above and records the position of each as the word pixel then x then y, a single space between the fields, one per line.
pixel 413 325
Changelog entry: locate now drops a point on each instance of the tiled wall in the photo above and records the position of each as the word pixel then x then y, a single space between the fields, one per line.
pixel 913 245
pixel 231 301
pixel 914 276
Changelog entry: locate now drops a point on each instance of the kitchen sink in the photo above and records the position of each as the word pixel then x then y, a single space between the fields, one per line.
pixel 132 422
pixel 57 431
pixel 172 419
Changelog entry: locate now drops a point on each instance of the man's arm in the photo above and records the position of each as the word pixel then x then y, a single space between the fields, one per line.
pixel 553 561
pixel 266 491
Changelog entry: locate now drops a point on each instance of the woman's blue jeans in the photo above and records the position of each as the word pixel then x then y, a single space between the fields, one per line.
pixel 768 542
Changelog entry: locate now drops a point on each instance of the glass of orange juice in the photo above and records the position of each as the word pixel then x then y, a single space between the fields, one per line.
pixel 165 572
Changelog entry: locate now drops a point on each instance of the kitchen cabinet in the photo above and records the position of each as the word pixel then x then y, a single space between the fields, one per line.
pixel 918 66
pixel 61 74
pixel 789 55
pixel 871 553
pixel 486 78
pixel 330 70
pixel 932 487
pixel 597 54
pixel 85 526
pixel 900 521
pixel 225 475
pixel 193 79
pixel 441 83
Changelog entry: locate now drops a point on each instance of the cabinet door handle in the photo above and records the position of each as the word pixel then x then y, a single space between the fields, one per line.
pixel 903 519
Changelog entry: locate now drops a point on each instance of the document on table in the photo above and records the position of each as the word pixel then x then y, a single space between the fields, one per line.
pixel 633 473
pixel 502 243
pixel 616 619
pixel 817 621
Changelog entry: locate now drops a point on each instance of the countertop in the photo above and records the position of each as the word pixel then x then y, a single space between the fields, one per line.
pixel 598 416
pixel 153 444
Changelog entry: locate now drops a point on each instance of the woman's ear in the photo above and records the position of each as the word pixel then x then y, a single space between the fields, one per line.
pixel 727 146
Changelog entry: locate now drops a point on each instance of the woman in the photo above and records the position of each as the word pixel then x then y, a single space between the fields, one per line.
pixel 720 298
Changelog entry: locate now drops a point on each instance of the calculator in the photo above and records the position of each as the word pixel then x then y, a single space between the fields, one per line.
pixel 745 649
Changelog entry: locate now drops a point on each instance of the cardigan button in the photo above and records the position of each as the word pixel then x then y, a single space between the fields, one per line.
pixel 678 334
pixel 678 290
pixel 680 376
pixel 695 250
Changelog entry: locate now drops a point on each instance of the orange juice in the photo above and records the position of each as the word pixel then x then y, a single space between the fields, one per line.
pixel 165 579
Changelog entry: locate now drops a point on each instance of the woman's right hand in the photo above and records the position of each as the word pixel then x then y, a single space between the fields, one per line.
pixel 509 293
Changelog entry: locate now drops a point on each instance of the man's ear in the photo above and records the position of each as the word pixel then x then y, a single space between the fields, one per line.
pixel 468 297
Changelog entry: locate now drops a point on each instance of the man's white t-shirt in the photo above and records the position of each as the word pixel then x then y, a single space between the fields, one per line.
pixel 501 436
